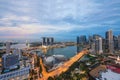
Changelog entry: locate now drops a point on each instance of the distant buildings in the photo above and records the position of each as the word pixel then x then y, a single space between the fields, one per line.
pixel 47 40
pixel 100 44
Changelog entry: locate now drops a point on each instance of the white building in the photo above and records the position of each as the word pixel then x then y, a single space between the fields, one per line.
pixel 20 74
pixel 100 46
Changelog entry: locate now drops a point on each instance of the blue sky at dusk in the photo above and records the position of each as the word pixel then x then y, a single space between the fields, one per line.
pixel 58 18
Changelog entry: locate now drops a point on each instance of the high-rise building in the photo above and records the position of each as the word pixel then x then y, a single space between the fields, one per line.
pixel 47 41
pixel 7 47
pixel 44 41
pixel 104 44
pixel 109 41
pixel 83 39
pixel 52 40
pixel 78 40
pixel 119 42
pixel 115 39
pixel 92 46
pixel 98 45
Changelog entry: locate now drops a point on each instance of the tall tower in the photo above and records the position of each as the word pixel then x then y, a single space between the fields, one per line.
pixel 48 41
pixel 7 47
pixel 52 40
pixel 78 40
pixel 109 41
pixel 100 45
pixel 83 39
pixel 44 41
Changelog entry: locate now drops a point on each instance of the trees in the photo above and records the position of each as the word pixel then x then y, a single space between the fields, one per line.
pixel 50 78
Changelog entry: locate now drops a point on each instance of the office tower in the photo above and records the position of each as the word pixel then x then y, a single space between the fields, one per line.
pixel 109 41
pixel 7 47
pixel 83 40
pixel 52 40
pixel 92 46
pixel 103 44
pixel 78 40
pixel 115 39
pixel 119 42
pixel 44 41
pixel 48 41
pixel 98 45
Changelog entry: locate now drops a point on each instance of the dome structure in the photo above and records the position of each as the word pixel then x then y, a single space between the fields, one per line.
pixel 50 60
pixel 59 57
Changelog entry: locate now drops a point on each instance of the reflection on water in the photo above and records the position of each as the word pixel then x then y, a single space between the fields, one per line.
pixel 68 52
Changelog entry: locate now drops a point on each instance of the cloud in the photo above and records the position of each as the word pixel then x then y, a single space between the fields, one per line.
pixel 31 17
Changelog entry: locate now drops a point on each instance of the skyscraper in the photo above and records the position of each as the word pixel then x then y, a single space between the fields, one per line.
pixel 98 45
pixel 119 42
pixel 44 41
pixel 83 39
pixel 109 41
pixel 78 40
pixel 115 39
pixel 52 40
pixel 47 41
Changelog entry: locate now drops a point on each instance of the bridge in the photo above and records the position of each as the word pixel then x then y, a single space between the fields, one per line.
pixel 62 68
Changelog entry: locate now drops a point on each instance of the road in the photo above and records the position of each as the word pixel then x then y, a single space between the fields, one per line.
pixel 62 68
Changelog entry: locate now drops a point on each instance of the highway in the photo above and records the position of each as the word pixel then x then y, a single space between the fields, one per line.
pixel 62 68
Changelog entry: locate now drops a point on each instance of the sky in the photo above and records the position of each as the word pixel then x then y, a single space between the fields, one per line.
pixel 63 19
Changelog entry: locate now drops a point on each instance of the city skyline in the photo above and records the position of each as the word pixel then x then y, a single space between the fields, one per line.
pixel 33 19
